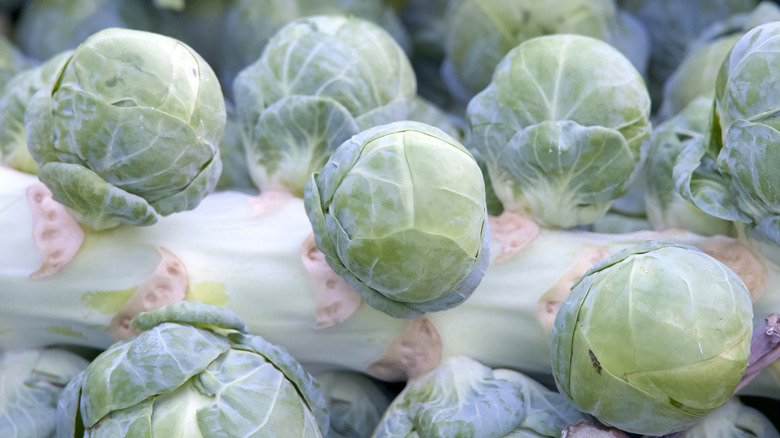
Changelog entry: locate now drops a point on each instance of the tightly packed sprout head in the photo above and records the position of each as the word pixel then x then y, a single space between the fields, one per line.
pixel 129 130
pixel 319 81
pixel 192 372
pixel 561 128
pixel 653 338
pixel 399 212
pixel 743 184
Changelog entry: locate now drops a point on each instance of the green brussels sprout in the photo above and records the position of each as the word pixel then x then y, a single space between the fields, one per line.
pixel 319 81
pixel 732 173
pixel 561 128
pixel 192 372
pixel 13 103
pixel 653 338
pixel 666 208
pixel 30 384
pixel 463 398
pixel 129 130
pixel 399 212
pixel 480 32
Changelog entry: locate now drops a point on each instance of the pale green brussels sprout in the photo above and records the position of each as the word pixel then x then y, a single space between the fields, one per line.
pixel 319 81
pixel 250 24
pixel 666 208
pixel 480 32
pixel 130 129
pixel 13 103
pixel 653 338
pixel 192 372
pixel 30 384
pixel 696 74
pixel 355 403
pixel 463 398
pixel 561 128
pixel 399 212
pixel 733 174
pixel 733 420
pixel 48 27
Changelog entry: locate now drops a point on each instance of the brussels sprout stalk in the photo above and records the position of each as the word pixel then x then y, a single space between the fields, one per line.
pixel 256 263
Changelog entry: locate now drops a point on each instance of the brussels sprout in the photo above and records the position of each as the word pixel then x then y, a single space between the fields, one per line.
pixel 480 32
pixel 653 338
pixel 666 208
pixel 30 383
pixel 399 212
pixel 130 129
pixel 13 103
pixel 561 128
pixel 732 173
pixel 192 372
pixel 319 81
pixel 463 398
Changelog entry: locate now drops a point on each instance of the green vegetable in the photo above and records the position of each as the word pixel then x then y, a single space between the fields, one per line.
pixel 30 383
pixel 399 211
pixel 653 338
pixel 319 81
pixel 130 129
pixel 462 397
pixel 731 174
pixel 192 372
pixel 561 128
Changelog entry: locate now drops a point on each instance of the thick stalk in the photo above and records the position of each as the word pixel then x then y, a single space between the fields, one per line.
pixel 256 262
